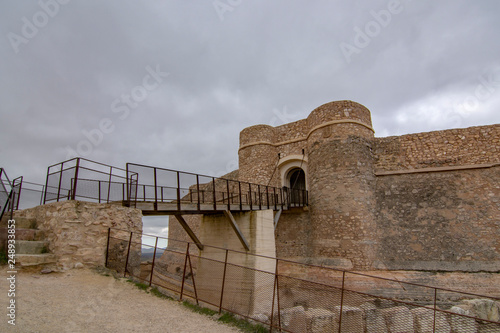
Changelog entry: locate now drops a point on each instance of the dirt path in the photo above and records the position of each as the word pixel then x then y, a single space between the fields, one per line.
pixel 85 301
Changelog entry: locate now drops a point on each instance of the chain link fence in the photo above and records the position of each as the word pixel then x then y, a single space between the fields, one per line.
pixel 287 296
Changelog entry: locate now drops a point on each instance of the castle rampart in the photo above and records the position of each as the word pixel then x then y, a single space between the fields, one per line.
pixel 416 202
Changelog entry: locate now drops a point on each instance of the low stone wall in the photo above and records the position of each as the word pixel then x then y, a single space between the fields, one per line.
pixel 77 231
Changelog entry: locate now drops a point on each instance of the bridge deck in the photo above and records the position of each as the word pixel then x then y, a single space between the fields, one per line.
pixel 184 208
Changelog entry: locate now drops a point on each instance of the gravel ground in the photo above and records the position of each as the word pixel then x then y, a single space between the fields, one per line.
pixel 86 301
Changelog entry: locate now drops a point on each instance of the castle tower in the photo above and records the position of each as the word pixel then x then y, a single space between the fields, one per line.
pixel 341 185
pixel 330 155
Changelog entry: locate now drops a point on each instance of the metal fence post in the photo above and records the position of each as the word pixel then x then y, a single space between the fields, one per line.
pixel 178 191
pixel 192 278
pixel 250 195
pixel 341 302
pixel 214 193
pixel 198 190
pixel 73 195
pixel 223 280
pixel 274 295
pixel 109 185
pixel 107 248
pixel 184 271
pixel 60 180
pixel 128 253
pixel 155 205
pixel 153 264
pixel 239 192
pixel 129 183
pixel 228 196
pixel 434 320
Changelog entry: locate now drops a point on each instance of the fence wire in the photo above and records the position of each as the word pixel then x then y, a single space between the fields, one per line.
pixel 283 298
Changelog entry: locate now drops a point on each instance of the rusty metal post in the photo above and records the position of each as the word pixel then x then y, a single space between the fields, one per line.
pixel 267 195
pixel 155 206
pixel 278 294
pixel 99 190
pixel 73 195
pixel 434 320
pixel 198 190
pixel 260 197
pixel 60 180
pixel 128 253
pixel 274 199
pixel 107 248
pixel 129 185
pixel 228 196
pixel 184 271
pixel 153 263
pixel 214 193
pixel 239 192
pixel 250 195
pixel 192 278
pixel 178 191
pixel 109 185
pixel 223 280
pixel 46 187
pixel 341 302
pixel 274 295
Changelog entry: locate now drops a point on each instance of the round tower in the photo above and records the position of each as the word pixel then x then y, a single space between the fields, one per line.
pixel 341 185
pixel 257 154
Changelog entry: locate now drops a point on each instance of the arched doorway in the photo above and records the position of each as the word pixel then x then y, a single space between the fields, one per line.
pixel 297 185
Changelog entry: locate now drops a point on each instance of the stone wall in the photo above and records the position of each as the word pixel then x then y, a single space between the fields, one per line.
pixel 77 231
pixel 444 221
pixel 425 201
pixel 448 148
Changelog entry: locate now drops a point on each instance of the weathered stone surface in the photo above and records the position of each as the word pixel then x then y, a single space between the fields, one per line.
pixel 321 321
pixel 352 319
pixel 424 321
pixel 483 308
pixel 461 324
pixel 411 202
pixel 374 320
pixel 72 235
pixel 294 319
pixel 399 319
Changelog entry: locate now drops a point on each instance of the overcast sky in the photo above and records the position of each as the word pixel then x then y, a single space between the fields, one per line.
pixel 172 83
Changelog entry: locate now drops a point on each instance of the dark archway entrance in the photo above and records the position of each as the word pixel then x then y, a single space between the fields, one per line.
pixel 297 186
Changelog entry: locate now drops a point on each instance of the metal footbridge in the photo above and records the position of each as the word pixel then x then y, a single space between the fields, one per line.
pixel 160 191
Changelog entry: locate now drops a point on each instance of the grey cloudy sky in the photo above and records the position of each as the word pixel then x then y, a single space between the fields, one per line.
pixel 172 83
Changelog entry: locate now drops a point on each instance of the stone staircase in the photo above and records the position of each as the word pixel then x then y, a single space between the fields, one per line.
pixel 32 250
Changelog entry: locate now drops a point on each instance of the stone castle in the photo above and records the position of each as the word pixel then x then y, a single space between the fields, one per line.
pixel 424 202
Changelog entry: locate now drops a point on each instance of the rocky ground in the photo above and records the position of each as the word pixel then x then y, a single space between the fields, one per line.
pixel 82 300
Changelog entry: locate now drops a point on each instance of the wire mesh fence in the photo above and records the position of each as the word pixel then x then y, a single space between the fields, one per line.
pixel 286 296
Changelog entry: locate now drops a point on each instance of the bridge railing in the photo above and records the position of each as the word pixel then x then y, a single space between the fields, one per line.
pixel 10 193
pixel 82 179
pixel 159 185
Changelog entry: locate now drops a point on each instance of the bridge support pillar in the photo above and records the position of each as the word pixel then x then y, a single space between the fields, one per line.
pixel 244 278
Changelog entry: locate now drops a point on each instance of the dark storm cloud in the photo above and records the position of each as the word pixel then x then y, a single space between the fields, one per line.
pixel 83 75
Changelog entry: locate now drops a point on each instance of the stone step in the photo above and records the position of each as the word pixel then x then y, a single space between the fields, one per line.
pixel 31 247
pixel 21 222
pixel 25 234
pixel 26 260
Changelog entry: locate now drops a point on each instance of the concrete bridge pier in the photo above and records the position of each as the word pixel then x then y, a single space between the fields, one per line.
pixel 245 279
